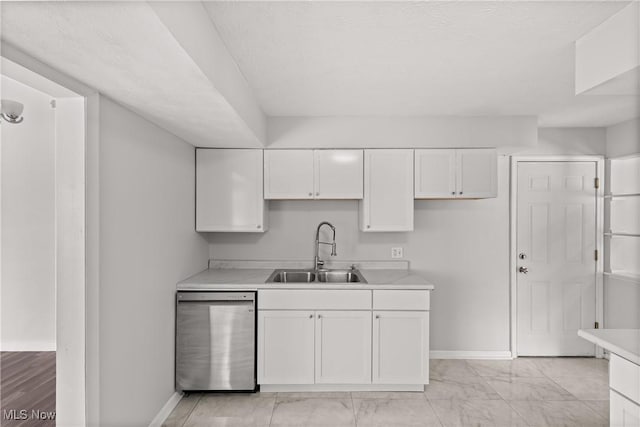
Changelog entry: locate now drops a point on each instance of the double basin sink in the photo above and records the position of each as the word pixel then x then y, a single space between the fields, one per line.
pixel 316 276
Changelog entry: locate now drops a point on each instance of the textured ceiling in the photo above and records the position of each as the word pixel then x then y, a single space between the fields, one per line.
pixel 124 50
pixel 418 58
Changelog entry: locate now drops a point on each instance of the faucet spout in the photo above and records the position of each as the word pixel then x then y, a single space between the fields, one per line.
pixel 317 262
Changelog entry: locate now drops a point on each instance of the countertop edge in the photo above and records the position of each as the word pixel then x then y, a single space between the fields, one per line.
pixel 591 335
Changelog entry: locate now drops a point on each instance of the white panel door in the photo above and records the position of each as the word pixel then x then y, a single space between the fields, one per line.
pixel 285 347
pixel 556 269
pixel 288 174
pixel 338 174
pixel 343 347
pixel 388 191
pixel 622 411
pixel 435 174
pixel 401 347
pixel 477 173
pixel 229 190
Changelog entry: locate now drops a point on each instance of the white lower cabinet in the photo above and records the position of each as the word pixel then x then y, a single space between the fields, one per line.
pixel 622 411
pixel 343 347
pixel 400 347
pixel 286 347
pixel 331 339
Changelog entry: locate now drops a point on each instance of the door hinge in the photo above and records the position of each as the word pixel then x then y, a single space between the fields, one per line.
pixel 53 103
pixel 596 182
pixel 595 254
pixel 597 325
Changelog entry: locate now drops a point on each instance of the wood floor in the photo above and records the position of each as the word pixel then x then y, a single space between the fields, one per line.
pixel 27 388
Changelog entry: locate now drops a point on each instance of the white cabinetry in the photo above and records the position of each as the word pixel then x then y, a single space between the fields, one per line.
pixel 456 173
pixel 319 338
pixel 343 347
pixel 388 191
pixel 624 381
pixel 286 347
pixel 313 174
pixel 229 190
pixel 401 337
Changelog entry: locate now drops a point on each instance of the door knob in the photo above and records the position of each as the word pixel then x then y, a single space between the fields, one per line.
pixel 523 270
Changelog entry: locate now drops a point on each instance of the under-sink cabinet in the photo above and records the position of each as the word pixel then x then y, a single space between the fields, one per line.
pixel 343 338
pixel 469 173
pixel 313 174
pixel 229 190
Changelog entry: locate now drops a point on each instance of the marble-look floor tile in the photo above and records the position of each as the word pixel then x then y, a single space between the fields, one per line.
pixel 394 412
pixel 506 368
pixel 478 413
pixel 554 413
pixel 460 388
pixel 450 368
pixel 587 388
pixel 232 410
pixel 522 388
pixel 600 407
pixel 313 412
pixel 572 366
pixel 182 410
pixel 387 394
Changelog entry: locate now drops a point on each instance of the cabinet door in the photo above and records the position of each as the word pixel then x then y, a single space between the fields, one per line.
pixel 343 347
pixel 288 174
pixel 401 347
pixel 435 174
pixel 285 347
pixel 477 173
pixel 229 190
pixel 338 174
pixel 622 411
pixel 388 191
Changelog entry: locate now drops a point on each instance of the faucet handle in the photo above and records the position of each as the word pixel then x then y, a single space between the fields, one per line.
pixel 353 266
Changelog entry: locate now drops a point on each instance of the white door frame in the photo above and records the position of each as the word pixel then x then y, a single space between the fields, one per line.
pixel 513 256
pixel 81 371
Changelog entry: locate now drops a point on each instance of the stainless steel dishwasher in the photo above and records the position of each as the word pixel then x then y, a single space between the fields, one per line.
pixel 215 341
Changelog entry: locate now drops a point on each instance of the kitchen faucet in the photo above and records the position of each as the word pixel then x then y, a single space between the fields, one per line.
pixel 317 262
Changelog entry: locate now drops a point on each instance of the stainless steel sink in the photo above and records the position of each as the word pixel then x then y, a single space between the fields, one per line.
pixel 339 276
pixel 321 276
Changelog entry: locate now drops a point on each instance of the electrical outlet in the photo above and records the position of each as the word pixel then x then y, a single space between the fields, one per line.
pixel 396 252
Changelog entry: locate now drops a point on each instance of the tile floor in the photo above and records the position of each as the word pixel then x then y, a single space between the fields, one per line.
pixel 522 392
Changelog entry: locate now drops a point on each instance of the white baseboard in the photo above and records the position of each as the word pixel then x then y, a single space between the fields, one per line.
pixel 166 410
pixel 490 355
pixel 28 346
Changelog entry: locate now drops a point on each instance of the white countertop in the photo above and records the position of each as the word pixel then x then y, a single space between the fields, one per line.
pixel 623 342
pixel 232 275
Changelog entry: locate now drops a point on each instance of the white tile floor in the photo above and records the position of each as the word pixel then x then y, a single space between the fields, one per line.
pixel 522 392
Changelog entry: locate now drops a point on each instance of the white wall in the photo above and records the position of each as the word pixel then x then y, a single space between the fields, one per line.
pixel 28 223
pixel 622 297
pixel 147 244
pixel 462 246
pixel 410 132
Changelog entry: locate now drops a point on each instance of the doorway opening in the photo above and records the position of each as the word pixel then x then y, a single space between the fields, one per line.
pixel 42 261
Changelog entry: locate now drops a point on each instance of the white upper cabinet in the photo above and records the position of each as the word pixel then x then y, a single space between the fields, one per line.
pixel 388 191
pixel 338 174
pixel 435 174
pixel 288 174
pixel 313 174
pixel 477 173
pixel 229 190
pixel 456 173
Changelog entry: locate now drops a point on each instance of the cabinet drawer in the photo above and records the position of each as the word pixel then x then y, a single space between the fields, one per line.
pixel 314 299
pixel 401 300
pixel 624 377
